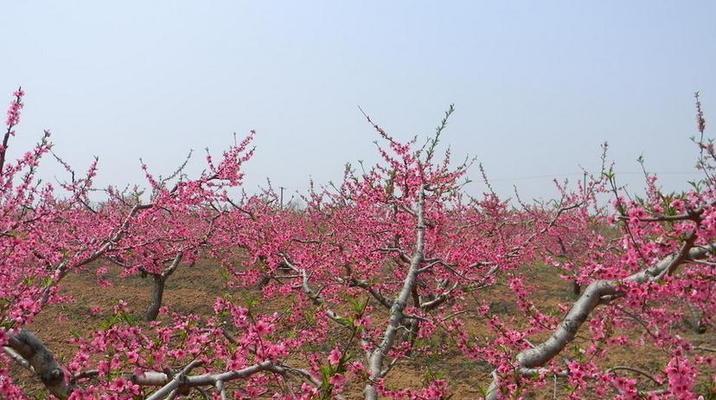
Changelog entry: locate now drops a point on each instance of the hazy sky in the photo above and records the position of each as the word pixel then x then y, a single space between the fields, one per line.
pixel 537 86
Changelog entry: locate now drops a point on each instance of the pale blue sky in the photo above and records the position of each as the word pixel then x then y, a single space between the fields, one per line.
pixel 537 85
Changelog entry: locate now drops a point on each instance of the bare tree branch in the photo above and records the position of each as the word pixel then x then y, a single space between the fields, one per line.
pixel 599 292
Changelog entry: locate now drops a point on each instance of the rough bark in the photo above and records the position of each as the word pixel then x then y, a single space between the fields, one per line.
pixel 158 283
pixel 155 301
pixel 40 360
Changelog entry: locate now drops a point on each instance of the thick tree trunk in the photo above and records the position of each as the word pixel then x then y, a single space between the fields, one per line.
pixel 265 280
pixel 696 321
pixel 30 352
pixel 155 302
pixel 160 280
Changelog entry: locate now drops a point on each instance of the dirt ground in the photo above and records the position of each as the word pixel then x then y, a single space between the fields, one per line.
pixel 193 290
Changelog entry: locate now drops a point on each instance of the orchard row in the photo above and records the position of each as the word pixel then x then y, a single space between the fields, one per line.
pixel 394 262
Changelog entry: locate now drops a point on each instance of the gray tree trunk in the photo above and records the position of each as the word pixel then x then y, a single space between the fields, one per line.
pixel 155 301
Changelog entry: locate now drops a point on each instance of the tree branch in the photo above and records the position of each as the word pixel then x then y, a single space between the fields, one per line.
pixel 593 296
